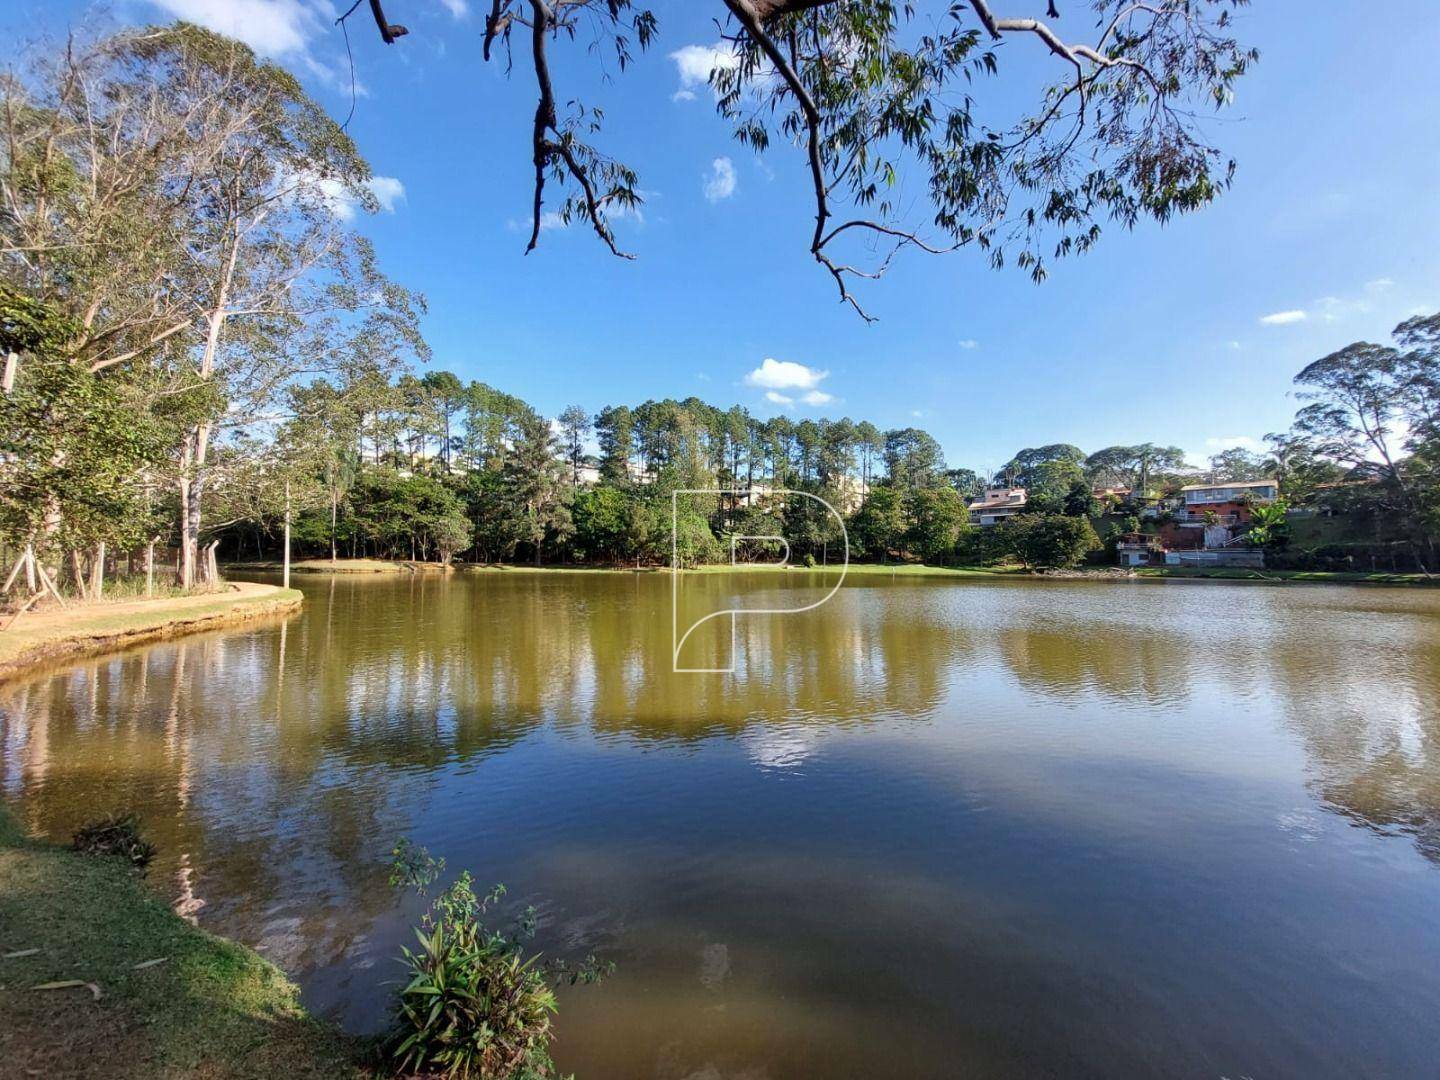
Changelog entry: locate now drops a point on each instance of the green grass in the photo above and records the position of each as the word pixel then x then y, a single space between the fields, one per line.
pixel 339 566
pixel 1239 573
pixel 212 1009
pixel 920 570
pixel 52 633
pixel 876 569
pixel 863 570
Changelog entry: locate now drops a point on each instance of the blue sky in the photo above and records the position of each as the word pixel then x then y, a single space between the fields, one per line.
pixel 1159 335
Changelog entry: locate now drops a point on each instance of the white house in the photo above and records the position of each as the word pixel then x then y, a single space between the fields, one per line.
pixel 996 505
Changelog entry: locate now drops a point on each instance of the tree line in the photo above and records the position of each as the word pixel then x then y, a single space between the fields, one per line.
pixel 432 467
pixel 199 345
pixel 177 253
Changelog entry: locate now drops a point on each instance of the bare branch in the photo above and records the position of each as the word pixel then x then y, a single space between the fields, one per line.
pixel 388 31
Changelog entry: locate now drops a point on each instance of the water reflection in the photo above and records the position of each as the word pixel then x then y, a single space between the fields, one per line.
pixel 930 823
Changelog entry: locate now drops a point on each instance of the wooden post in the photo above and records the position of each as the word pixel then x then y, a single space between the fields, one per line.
pixel 286 576
pixel 78 573
pixel 47 583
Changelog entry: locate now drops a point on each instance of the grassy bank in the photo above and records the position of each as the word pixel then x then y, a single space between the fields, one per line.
pixel 919 570
pixel 908 570
pixel 342 566
pixel 893 570
pixel 210 1008
pixel 48 636
pixel 877 569
pixel 1238 573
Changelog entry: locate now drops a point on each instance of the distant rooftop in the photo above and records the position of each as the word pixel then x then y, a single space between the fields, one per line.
pixel 995 498
pixel 1231 484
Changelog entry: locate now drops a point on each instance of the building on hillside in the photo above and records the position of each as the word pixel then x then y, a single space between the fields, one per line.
pixel 996 505
pixel 1227 503
pixel 755 493
pixel 852 491
pixel 1139 549
pixel 590 475
pixel 1118 494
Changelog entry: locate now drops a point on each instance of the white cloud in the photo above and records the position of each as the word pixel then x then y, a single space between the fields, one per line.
pixel 548 220
pixel 720 184
pixel 388 192
pixel 554 221
pixel 683 95
pixel 778 398
pixel 1283 318
pixel 694 63
pixel 1235 345
pixel 279 29
pixel 1336 308
pixel 457 8
pixel 272 27
pixel 786 375
pixel 969 343
pixel 817 397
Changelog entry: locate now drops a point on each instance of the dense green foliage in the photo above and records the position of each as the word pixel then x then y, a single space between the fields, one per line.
pixel 1045 541
pixel 475 1004
pixel 175 259
pixel 201 351
pixel 480 474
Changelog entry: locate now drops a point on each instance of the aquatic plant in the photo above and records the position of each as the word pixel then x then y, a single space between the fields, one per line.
pixel 116 834
pixel 475 1005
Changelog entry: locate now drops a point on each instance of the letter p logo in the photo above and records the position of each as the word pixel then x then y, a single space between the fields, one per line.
pixel 679 635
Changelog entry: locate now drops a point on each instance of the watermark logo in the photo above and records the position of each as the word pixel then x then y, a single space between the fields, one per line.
pixel 677 638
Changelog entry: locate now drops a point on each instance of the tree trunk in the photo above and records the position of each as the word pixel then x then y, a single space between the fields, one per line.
pixel 195 570
pixel 150 568
pixel 334 513
pixel 97 572
pixel 286 575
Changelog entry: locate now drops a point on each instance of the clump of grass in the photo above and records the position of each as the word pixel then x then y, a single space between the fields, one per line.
pixel 117 834
pixel 476 1005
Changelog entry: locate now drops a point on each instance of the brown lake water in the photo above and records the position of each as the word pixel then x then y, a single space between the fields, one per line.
pixel 934 828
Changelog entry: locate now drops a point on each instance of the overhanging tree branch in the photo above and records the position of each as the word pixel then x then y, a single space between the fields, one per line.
pixel 857 93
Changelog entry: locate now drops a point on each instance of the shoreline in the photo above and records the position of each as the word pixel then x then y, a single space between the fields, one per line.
pixel 907 570
pixel 38 640
pixel 143 992
pixel 339 566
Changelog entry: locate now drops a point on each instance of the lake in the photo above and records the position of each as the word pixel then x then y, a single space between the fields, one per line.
pixel 933 828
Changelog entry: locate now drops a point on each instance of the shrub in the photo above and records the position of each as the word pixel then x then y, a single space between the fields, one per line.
pixel 809 561
pixel 475 1004
pixel 1046 541
pixel 117 834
